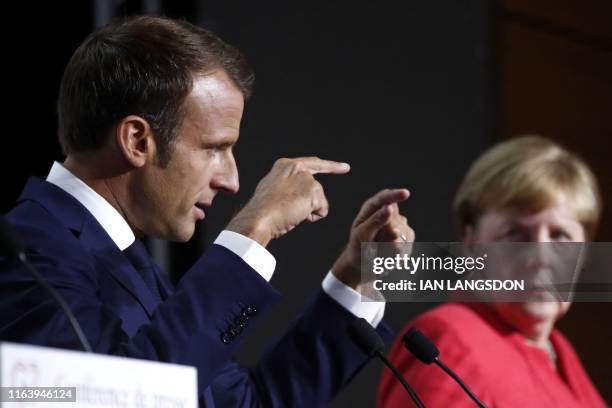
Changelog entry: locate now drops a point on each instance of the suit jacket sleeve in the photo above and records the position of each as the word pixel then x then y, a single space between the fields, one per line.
pixel 305 367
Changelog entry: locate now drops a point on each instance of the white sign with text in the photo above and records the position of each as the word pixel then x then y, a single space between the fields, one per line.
pixel 99 380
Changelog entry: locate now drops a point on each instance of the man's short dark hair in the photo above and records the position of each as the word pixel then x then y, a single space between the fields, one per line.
pixel 139 66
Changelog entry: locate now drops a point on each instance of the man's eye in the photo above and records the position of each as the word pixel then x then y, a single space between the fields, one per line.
pixel 212 149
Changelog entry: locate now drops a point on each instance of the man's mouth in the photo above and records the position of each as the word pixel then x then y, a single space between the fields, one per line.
pixel 200 210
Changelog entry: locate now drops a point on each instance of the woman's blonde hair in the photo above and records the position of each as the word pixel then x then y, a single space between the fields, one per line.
pixel 527 173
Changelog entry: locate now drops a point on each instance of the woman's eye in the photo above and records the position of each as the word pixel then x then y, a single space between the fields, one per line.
pixel 560 235
pixel 512 232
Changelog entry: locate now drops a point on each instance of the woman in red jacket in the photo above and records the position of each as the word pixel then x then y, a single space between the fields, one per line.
pixel 509 354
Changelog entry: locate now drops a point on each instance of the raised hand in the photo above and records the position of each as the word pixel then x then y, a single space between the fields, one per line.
pixel 288 195
pixel 378 220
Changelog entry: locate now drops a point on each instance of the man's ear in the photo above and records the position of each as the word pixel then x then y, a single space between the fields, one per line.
pixel 135 140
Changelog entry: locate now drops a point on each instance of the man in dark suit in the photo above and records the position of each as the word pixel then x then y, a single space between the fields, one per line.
pixel 149 110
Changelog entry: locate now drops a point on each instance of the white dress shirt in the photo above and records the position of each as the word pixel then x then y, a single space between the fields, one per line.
pixel 255 255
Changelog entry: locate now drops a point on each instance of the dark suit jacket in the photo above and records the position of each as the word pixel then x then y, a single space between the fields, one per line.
pixel 306 366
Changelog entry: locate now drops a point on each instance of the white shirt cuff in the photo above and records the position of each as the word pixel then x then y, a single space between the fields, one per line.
pixel 350 299
pixel 256 256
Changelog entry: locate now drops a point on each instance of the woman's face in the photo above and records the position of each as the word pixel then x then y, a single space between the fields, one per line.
pixel 557 223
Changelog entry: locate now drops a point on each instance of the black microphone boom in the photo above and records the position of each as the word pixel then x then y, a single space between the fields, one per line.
pixel 13 249
pixel 424 349
pixel 366 338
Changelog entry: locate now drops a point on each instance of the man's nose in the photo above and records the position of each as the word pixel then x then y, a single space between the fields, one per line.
pixel 227 178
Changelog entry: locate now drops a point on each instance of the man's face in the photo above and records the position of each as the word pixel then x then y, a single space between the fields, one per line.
pixel 168 201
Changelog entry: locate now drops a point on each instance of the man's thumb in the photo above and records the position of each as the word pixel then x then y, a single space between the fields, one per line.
pixel 370 227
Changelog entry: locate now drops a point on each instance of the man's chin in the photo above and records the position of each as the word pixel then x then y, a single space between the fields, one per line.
pixel 183 234
pixel 184 237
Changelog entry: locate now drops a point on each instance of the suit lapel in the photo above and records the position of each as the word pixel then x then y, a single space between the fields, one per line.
pixel 165 286
pixel 93 237
pixel 117 264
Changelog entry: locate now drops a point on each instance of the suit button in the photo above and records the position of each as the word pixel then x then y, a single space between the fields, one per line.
pixel 249 311
pixel 226 338
pixel 234 330
pixel 241 321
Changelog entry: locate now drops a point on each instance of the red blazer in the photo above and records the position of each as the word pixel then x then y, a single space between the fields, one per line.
pixel 493 360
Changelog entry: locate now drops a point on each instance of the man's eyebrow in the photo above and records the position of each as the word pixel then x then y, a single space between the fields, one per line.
pixel 220 143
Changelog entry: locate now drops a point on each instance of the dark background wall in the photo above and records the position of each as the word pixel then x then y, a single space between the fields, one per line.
pixel 36 47
pixel 408 94
pixel 555 78
pixel 401 92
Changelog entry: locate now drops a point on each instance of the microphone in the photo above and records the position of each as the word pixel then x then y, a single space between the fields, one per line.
pixel 370 343
pixel 12 248
pixel 424 349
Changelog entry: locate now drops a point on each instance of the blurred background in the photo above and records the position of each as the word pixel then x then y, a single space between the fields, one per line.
pixel 409 93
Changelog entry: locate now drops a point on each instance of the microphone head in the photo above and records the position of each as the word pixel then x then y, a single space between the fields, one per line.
pixel 9 246
pixel 420 346
pixel 366 338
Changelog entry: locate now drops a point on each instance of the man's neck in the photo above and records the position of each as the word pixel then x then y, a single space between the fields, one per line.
pixel 96 175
